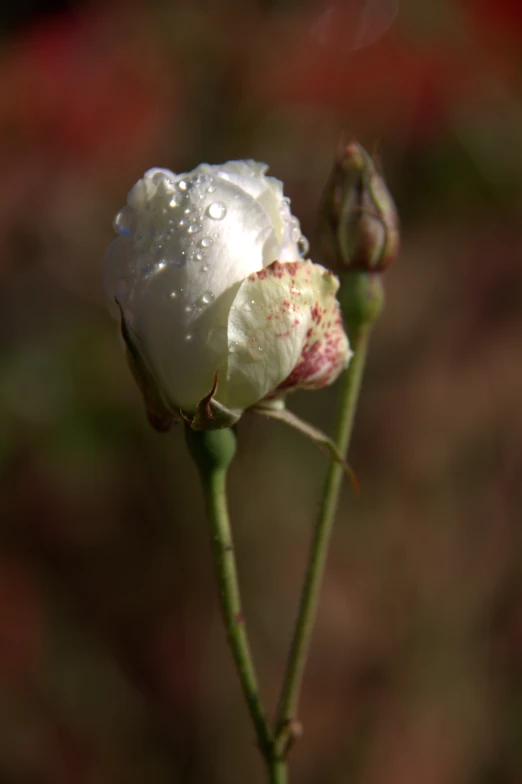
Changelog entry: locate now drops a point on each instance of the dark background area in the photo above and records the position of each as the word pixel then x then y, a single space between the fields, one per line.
pixel 113 662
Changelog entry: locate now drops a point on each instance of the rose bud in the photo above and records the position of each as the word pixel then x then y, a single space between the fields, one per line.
pixel 219 309
pixel 359 225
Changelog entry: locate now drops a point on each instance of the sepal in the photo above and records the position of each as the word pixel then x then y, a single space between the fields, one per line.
pixel 212 415
pixel 319 438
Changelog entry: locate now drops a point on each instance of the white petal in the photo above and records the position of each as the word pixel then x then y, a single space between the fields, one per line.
pixel 268 191
pixel 187 243
pixel 273 320
pixel 326 351
pixel 190 248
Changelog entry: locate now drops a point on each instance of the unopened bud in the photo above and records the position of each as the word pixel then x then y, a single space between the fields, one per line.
pixel 359 225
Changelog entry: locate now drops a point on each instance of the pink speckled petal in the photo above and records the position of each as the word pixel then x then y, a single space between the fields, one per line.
pixel 326 351
pixel 284 331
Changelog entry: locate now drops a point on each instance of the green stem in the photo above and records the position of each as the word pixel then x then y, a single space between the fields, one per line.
pixel 278 771
pixel 319 547
pixel 213 451
pixel 214 488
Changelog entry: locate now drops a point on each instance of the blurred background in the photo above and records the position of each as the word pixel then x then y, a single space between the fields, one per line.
pixel 113 662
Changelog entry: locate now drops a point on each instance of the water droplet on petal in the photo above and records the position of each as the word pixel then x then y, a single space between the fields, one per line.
pixel 182 185
pixel 205 268
pixel 198 256
pixel 211 188
pixel 206 298
pixel 189 336
pixel 217 210
pixel 194 227
pixel 206 242
pixel 173 294
pixel 296 234
pixel 123 221
pixel 161 265
pixel 303 246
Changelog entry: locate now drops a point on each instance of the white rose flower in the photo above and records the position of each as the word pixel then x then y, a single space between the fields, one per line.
pixel 209 277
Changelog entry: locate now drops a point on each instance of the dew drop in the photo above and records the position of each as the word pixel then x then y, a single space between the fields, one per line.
pixel 198 256
pixel 303 246
pixel 182 185
pixel 189 336
pixel 205 268
pixel 296 234
pixel 206 298
pixel 211 189
pixel 217 210
pixel 189 308
pixel 173 294
pixel 123 222
pixel 174 202
pixel 161 265
pixel 194 227
pixel 206 242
